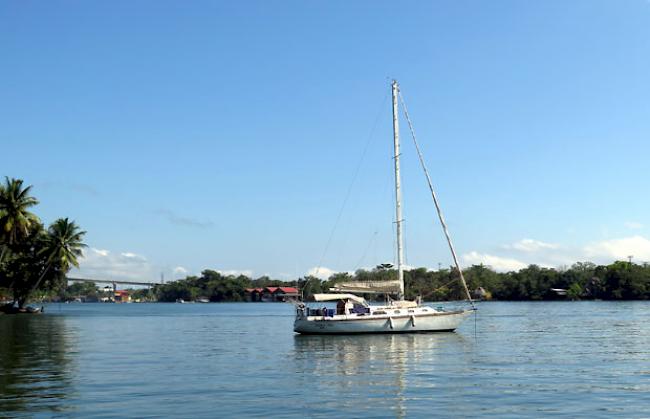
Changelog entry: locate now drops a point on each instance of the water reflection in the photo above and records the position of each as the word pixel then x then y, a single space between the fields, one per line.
pixel 34 363
pixel 367 372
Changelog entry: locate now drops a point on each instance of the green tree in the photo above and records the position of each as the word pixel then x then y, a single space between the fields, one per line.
pixel 16 221
pixel 172 291
pixel 482 276
pixel 23 268
pixel 32 258
pixel 309 285
pixel 60 249
pixel 85 290
pixel 574 292
pixel 626 281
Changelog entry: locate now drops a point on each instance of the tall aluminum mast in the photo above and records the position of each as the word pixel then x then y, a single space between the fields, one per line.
pixel 398 193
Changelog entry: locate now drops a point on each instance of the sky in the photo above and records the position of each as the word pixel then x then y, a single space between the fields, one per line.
pixel 255 137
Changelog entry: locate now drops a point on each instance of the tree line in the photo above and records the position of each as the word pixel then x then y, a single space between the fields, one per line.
pixel 583 280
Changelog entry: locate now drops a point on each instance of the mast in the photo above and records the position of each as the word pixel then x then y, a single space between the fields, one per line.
pixel 398 193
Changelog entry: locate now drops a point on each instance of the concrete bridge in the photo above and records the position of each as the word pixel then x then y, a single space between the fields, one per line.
pixel 114 282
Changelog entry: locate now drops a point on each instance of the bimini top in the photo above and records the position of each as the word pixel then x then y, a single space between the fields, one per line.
pixel 333 297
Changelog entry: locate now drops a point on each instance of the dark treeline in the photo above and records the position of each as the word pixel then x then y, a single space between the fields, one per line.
pixel 214 286
pixel 618 281
pixel 583 280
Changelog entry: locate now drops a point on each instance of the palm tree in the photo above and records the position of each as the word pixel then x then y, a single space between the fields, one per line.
pixel 15 219
pixel 62 246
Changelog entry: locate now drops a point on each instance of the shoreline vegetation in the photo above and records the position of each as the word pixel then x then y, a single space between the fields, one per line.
pixel 583 280
pixel 34 262
pixel 620 280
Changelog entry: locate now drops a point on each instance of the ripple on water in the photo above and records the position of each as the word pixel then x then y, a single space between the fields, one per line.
pixel 207 360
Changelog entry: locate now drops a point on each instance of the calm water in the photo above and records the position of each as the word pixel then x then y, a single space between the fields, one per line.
pixel 227 360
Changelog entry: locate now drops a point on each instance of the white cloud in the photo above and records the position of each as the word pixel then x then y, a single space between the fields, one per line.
pixel 528 251
pixel 179 270
pixel 321 272
pixel 237 272
pixel 130 255
pixel 530 245
pixel 99 251
pixel 498 263
pixel 103 264
pixel 633 225
pixel 607 251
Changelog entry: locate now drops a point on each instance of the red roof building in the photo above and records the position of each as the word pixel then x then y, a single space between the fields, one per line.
pixel 121 296
pixel 272 294
pixel 254 294
pixel 289 290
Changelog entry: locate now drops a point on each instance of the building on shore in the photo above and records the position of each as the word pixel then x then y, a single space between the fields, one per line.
pixel 272 294
pixel 254 294
pixel 122 296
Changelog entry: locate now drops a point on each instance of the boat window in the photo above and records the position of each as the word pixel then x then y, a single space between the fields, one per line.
pixel 411 311
pixel 379 312
pixel 396 312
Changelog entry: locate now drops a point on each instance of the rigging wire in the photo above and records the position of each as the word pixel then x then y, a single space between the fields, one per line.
pixel 365 252
pixel 379 227
pixel 475 326
pixel 349 191
pixel 435 201
pixel 444 285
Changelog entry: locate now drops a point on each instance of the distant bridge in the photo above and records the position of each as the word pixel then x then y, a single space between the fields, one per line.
pixel 114 282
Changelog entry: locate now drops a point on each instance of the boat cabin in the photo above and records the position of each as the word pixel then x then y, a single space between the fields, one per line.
pixel 345 304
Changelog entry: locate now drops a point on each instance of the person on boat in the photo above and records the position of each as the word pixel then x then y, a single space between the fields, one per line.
pixel 349 305
pixel 301 309
pixel 340 307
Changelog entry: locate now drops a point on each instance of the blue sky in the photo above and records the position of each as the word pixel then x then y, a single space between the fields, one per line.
pixel 225 135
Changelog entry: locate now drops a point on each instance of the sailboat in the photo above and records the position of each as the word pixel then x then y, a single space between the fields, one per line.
pixel 353 314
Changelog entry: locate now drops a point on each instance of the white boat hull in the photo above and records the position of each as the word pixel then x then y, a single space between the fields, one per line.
pixel 439 321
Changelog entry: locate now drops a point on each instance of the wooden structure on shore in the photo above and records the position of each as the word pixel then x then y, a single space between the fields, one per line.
pixel 272 294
